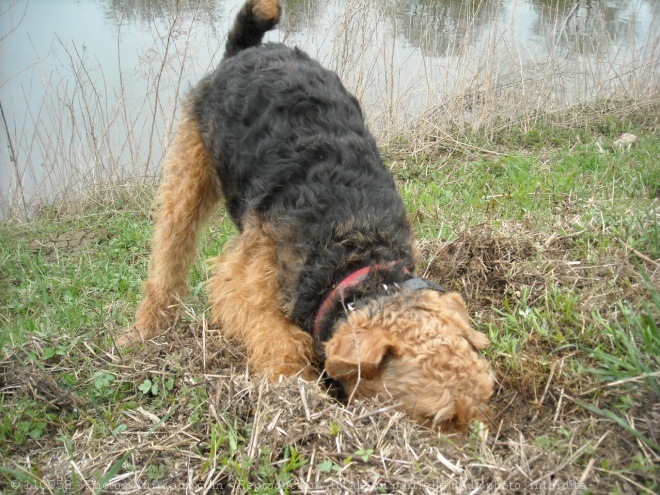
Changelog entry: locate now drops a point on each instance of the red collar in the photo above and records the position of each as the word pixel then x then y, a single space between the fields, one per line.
pixel 350 281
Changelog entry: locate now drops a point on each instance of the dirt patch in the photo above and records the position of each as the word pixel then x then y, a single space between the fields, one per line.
pixel 482 266
pixel 489 268
pixel 70 242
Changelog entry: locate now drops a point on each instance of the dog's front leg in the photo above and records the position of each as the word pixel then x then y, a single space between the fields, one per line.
pixel 243 297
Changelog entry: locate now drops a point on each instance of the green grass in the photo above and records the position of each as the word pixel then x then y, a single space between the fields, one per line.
pixel 631 345
pixel 47 289
pixel 577 180
pixel 592 334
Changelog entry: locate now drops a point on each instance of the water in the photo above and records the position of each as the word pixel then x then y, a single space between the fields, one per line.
pixel 89 89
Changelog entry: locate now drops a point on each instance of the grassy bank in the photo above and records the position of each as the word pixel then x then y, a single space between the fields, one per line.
pixel 552 235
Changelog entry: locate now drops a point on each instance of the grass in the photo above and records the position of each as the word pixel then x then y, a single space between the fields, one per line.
pixel 81 271
pixel 520 200
pixel 534 185
pixel 551 236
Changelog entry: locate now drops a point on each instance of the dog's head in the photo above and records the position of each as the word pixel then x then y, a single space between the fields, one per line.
pixel 418 348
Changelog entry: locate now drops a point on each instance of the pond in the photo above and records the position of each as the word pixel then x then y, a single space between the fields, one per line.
pixel 90 90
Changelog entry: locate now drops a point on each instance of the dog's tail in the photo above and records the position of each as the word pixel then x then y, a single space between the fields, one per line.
pixel 254 19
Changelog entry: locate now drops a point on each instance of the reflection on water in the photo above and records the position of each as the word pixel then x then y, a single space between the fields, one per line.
pixel 577 26
pixel 145 11
pixel 89 89
pixel 440 26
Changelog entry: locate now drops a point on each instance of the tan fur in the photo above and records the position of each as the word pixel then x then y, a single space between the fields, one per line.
pixel 186 197
pixel 243 296
pixel 267 9
pixel 416 348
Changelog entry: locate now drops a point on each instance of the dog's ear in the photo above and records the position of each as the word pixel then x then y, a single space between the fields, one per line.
pixel 352 351
pixel 455 302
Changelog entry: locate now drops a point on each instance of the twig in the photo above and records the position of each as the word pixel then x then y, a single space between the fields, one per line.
pixel 585 475
pixel 558 408
pixel 446 463
pixel 547 385
pixel 638 254
pixel 377 411
pixel 13 158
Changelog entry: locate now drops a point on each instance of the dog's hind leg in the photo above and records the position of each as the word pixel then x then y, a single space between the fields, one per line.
pixel 243 297
pixel 186 197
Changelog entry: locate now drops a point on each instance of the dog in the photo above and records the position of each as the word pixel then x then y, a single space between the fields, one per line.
pixel 322 274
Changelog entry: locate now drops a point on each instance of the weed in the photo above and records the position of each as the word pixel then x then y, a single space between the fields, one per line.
pixel 255 475
pixel 364 454
pixel 328 467
pixel 148 387
pixel 631 347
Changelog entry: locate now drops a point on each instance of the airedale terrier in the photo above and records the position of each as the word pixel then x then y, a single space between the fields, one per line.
pixel 322 273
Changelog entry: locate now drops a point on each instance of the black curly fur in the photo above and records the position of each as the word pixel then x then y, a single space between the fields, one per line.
pixel 248 29
pixel 290 144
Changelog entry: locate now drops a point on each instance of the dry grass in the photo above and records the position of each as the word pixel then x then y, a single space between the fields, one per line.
pixel 436 95
pixel 269 419
pixel 211 427
pixel 482 79
pixel 87 126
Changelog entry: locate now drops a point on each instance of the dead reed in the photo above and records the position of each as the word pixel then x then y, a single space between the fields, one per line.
pixel 435 90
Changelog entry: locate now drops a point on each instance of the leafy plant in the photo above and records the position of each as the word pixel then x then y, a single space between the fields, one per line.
pixel 148 387
pixel 328 466
pixel 364 454
pixel 102 380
